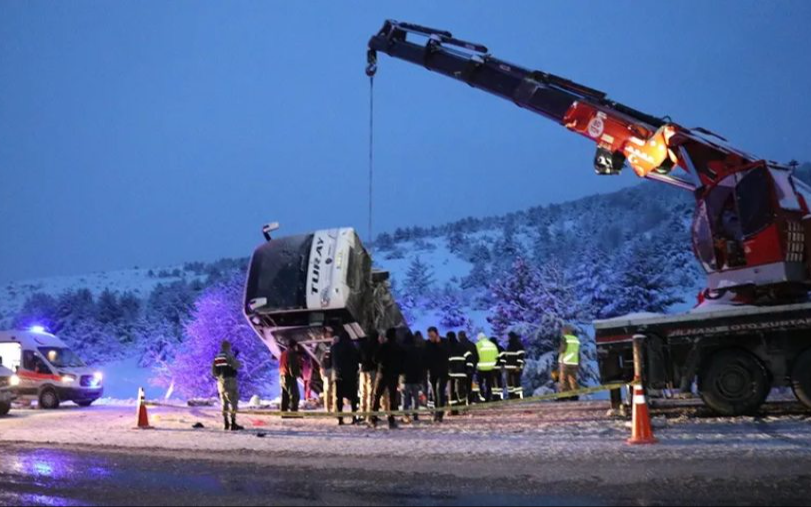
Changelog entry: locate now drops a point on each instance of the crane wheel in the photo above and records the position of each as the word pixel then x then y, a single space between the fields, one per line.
pixel 734 383
pixel 801 378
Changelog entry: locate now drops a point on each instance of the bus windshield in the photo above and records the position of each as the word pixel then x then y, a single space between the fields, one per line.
pixel 61 357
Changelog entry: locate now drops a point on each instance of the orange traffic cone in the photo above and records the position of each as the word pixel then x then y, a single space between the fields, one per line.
pixel 642 429
pixel 143 416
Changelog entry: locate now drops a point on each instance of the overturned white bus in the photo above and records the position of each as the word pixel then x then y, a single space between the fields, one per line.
pixel 299 286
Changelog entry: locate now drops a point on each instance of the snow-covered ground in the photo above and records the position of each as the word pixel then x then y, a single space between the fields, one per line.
pixel 542 431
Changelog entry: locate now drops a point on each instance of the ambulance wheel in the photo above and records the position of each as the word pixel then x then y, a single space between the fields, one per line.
pixel 5 408
pixel 84 404
pixel 734 383
pixel 48 400
pixel 801 378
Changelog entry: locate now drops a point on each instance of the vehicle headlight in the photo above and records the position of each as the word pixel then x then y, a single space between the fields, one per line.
pixel 68 379
pixel 14 381
pixel 98 376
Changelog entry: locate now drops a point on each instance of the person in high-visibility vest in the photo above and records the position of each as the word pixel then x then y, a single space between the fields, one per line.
pixel 488 365
pixel 569 360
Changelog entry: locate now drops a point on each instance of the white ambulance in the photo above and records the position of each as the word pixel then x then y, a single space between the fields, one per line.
pixel 48 371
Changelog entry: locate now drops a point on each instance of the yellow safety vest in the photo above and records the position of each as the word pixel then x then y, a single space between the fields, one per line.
pixel 488 355
pixel 571 357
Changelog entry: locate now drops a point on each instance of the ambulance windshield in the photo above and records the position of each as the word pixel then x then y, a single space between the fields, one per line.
pixel 61 357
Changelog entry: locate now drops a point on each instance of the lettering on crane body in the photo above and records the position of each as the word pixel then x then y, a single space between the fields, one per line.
pixel 742 327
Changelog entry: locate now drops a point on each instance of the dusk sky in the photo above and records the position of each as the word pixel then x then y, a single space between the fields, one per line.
pixel 153 133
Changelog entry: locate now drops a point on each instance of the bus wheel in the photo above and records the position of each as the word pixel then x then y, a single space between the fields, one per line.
pixel 733 383
pixel 801 378
pixel 5 408
pixel 48 400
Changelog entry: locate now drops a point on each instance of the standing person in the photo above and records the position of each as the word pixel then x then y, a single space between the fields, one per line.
pixel 472 361
pixel 289 373
pixel 569 360
pixel 307 374
pixel 413 375
pixel 326 370
pixel 225 369
pixel 389 363
pixel 368 375
pixel 500 382
pixel 420 344
pixel 437 359
pixel 488 361
pixel 457 367
pixel 346 362
pixel 515 366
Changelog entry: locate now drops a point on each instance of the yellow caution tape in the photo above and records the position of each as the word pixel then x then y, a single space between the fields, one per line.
pixel 481 407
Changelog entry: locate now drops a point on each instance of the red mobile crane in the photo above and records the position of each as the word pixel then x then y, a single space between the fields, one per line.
pixel 751 231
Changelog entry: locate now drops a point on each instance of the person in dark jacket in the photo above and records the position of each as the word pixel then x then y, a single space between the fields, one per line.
pixel 345 366
pixel 515 366
pixel 389 365
pixel 457 368
pixel 289 373
pixel 498 374
pixel 437 361
pixel 368 372
pixel 413 376
pixel 420 343
pixel 472 355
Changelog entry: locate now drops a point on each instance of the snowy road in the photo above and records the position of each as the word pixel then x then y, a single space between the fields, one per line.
pixel 553 454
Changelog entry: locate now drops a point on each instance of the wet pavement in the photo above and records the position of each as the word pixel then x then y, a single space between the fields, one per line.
pixel 32 475
pixel 42 476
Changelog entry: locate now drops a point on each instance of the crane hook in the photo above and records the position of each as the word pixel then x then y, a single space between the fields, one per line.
pixel 371 58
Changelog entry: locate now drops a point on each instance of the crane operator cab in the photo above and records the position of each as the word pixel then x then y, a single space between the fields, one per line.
pixel 751 230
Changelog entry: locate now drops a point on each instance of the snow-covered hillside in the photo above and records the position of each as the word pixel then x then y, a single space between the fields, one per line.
pixel 140 282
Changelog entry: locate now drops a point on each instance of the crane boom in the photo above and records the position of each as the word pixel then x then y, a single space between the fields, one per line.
pixel 647 143
pixel 751 232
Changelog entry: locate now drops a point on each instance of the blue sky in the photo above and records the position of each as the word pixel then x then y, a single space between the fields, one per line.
pixel 151 133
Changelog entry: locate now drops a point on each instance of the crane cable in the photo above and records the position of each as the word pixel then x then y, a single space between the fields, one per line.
pixel 371 153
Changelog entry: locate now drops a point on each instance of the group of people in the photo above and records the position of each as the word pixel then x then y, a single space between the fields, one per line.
pixel 399 368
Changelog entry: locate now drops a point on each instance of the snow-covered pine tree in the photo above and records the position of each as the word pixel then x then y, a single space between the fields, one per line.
pixel 109 308
pixel 384 242
pixel 507 249
pixel 419 280
pixel 479 276
pixel 644 284
pixel 536 303
pixel 515 297
pixel 595 284
pixel 452 314
pixel 674 245
pixel 38 310
pixel 218 316
pixel 456 240
pixel 542 243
